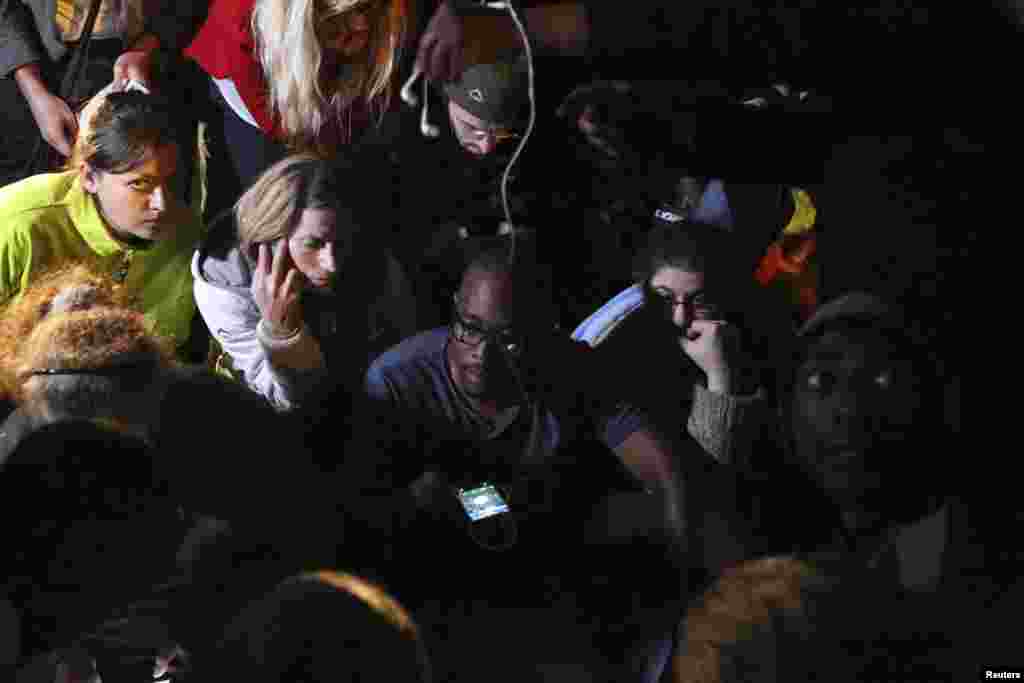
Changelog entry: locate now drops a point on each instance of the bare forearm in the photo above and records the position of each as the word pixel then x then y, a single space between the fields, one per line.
pixel 653 463
pixel 30 80
pixel 648 460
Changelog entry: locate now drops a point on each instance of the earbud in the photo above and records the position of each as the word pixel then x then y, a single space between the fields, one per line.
pixel 426 127
pixel 408 96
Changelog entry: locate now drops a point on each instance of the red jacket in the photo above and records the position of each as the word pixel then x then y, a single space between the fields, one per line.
pixel 225 48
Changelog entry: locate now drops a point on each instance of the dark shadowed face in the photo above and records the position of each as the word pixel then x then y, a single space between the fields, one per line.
pixel 478 137
pixel 854 410
pixel 483 338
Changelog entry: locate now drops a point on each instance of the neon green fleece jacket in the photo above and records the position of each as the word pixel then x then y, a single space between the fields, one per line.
pixel 48 219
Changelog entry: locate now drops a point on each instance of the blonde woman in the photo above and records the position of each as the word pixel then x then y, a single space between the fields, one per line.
pixel 302 70
pixel 274 76
pixel 295 285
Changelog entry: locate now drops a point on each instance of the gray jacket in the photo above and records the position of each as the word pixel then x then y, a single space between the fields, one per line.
pixel 285 371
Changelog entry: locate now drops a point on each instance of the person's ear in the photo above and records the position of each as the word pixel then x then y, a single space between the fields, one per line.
pixel 90 178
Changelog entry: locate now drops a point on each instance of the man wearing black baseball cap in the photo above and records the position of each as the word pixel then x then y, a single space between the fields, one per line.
pixel 489 104
pixel 460 169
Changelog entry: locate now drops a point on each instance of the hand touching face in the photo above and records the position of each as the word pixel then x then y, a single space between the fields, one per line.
pixel 705 336
pixel 276 289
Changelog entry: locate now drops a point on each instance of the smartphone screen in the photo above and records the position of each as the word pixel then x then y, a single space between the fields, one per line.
pixel 482 502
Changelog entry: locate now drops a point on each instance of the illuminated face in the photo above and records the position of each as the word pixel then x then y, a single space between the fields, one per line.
pixel 317 249
pixel 483 340
pixel 136 202
pixel 683 296
pixel 476 136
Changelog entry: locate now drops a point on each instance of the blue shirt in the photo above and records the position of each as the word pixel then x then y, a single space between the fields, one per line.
pixel 414 377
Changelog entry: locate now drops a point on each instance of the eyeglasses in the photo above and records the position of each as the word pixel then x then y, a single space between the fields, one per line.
pixel 700 307
pixel 472 335
pixel 478 134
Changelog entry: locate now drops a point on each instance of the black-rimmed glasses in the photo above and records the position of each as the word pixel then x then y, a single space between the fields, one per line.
pixel 473 335
pixel 483 133
pixel 698 306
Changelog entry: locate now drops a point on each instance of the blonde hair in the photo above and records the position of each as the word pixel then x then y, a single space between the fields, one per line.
pixel 289 50
pixel 271 208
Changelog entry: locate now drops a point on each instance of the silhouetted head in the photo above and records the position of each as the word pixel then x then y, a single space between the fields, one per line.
pixel 864 402
pixel 325 626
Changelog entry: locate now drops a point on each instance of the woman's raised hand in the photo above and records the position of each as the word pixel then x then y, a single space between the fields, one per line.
pixel 276 289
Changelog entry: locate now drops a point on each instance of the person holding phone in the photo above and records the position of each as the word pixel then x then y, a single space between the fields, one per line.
pixel 516 458
pixel 294 284
pixel 504 397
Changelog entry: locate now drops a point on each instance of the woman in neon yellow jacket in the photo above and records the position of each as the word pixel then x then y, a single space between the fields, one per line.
pixel 114 211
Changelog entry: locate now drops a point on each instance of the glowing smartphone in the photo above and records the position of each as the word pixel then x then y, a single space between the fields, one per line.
pixel 482 502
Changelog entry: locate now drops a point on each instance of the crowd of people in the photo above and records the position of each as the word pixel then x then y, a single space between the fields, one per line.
pixel 302 383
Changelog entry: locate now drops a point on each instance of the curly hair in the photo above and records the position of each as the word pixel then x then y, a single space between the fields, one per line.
pixel 65 287
pixel 791 619
pixel 731 611
pixel 92 342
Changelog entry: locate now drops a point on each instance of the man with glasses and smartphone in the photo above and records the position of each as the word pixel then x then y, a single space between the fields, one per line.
pixel 505 426
pixel 501 394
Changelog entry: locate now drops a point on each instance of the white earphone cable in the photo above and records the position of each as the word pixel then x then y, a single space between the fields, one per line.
pixel 529 127
pixel 429 130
